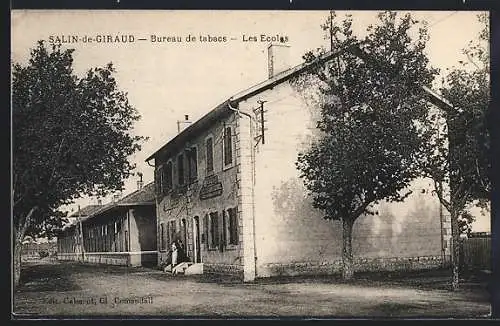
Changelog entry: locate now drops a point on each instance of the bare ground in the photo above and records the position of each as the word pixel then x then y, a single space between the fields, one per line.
pixel 71 289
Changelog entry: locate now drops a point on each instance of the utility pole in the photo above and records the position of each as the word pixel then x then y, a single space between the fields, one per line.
pixel 262 127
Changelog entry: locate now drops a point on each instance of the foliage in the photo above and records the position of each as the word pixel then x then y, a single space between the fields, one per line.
pixel 370 130
pixel 71 136
pixel 371 107
pixel 459 161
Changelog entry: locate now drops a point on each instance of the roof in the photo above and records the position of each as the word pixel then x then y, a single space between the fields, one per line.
pixel 142 197
pixel 145 194
pixel 223 108
pixel 87 210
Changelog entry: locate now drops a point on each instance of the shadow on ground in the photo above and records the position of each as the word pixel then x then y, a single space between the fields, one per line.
pixel 44 277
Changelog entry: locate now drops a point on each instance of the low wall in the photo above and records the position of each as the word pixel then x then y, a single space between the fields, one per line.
pixel 112 258
pixel 223 269
pixel 332 267
pixel 360 265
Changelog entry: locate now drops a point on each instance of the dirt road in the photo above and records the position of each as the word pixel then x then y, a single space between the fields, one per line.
pixel 69 289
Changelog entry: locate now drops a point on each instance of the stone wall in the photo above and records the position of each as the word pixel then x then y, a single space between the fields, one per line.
pixel 360 265
pixel 145 258
pixel 288 230
pixel 186 202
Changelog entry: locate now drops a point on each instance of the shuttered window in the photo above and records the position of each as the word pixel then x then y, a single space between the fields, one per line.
pixel 180 169
pixel 204 236
pixel 162 236
pixel 233 226
pixel 214 230
pixel 228 147
pixel 210 155
pixel 167 177
pixel 192 164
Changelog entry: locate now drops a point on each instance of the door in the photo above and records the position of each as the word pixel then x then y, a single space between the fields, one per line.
pixel 197 242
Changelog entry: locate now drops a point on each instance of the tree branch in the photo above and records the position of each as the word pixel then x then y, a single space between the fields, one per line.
pixel 361 209
pixel 22 226
pixel 439 191
pixel 56 158
pixel 485 187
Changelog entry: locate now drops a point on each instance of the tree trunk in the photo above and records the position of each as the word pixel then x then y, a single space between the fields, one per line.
pixel 17 262
pixel 347 265
pixel 455 138
pixel 20 231
pixel 455 250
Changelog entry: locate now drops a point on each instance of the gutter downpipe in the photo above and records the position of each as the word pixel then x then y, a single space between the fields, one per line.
pixel 252 153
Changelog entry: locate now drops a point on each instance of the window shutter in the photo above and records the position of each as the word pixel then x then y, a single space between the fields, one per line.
pixel 180 169
pixel 216 231
pixel 205 230
pixel 228 146
pixel 224 232
pixel 233 225
pixel 158 181
pixel 161 236
pixel 210 155
pixel 164 178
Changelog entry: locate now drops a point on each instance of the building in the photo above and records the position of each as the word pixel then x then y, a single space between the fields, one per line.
pixel 227 186
pixel 122 232
pixel 32 250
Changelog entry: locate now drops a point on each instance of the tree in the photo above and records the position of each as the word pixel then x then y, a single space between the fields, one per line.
pixel 71 136
pixel 370 113
pixel 458 159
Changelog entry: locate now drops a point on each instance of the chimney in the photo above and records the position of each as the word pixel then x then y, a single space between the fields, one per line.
pixel 116 197
pixel 140 183
pixel 183 124
pixel 277 58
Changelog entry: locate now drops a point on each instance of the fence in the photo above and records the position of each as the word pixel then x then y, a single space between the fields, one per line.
pixel 475 253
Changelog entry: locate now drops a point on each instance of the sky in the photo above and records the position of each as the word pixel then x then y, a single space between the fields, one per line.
pixel 167 80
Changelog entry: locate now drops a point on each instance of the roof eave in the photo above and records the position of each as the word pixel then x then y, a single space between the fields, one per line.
pixel 117 206
pixel 249 92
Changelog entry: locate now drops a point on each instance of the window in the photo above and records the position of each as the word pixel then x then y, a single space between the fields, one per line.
pixel 167 177
pixel 116 227
pixel 159 180
pixel 180 169
pixel 228 147
pixel 192 164
pixel 162 237
pixel 233 226
pixel 210 155
pixel 214 230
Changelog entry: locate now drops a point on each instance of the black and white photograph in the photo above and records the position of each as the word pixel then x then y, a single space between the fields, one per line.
pixel 250 164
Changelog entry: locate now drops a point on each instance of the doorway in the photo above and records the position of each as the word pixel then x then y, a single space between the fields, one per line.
pixel 197 242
